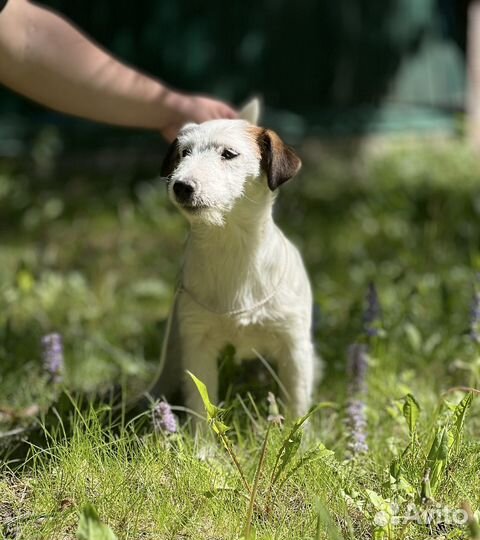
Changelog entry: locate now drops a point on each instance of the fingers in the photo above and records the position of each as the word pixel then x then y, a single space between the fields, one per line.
pixel 220 110
pixel 196 109
pixel 228 112
pixel 212 109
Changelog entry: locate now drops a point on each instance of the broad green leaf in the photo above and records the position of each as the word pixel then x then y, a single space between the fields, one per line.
pixel 91 528
pixel 218 426
pixel 437 457
pixel 411 411
pixel 398 483
pixel 212 410
pixel 289 450
pixel 324 519
pixel 395 469
pixel 378 502
pixel 459 415
pixel 383 517
pixel 405 487
pixel 291 443
pixel 435 448
pixel 445 445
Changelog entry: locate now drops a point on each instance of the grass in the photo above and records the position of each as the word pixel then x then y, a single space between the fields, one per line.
pixel 96 258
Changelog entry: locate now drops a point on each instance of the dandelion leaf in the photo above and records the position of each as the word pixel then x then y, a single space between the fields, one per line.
pixel 411 412
pixel 91 528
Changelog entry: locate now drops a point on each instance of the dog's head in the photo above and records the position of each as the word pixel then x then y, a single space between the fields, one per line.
pixel 214 167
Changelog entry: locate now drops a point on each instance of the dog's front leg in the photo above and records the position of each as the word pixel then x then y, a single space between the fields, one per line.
pixel 297 364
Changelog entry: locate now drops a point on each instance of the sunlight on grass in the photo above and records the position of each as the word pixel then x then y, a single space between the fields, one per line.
pixel 99 268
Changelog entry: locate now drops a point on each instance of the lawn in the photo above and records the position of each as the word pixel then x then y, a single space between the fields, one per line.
pixel 391 240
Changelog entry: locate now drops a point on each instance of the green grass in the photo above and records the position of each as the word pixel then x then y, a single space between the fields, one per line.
pixel 96 259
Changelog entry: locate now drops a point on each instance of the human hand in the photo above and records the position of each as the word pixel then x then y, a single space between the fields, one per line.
pixel 182 108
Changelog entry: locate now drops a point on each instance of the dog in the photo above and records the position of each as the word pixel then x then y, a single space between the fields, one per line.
pixel 242 283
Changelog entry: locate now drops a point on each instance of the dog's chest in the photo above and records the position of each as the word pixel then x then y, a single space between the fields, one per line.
pixel 249 334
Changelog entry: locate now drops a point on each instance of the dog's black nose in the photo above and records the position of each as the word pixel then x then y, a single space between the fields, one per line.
pixel 183 191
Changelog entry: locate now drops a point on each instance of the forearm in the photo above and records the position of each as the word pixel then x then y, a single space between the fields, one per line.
pixel 46 59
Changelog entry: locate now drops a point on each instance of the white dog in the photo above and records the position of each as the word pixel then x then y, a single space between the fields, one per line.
pixel 243 283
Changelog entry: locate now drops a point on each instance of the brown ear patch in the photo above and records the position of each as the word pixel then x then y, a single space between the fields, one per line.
pixel 278 161
pixel 170 160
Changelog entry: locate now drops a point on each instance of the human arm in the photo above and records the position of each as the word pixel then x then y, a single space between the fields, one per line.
pixel 45 58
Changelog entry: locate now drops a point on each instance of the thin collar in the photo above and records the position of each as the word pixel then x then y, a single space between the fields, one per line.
pixel 238 311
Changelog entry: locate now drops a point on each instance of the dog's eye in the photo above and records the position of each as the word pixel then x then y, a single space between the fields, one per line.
pixel 186 152
pixel 229 154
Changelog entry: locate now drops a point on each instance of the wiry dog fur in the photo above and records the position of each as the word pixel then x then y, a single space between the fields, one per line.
pixel 243 283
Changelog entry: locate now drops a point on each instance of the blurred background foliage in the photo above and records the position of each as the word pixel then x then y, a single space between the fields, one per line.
pixel 91 247
pixel 322 68
pixel 97 261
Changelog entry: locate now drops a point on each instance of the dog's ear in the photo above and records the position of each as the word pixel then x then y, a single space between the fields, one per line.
pixel 278 161
pixel 171 160
pixel 251 111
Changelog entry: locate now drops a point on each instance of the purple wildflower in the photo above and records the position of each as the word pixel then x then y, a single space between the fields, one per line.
pixel 357 365
pixel 356 408
pixel 357 423
pixel 53 356
pixel 163 419
pixel 372 311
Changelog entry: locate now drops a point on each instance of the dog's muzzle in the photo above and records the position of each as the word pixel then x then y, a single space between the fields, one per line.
pixel 184 191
